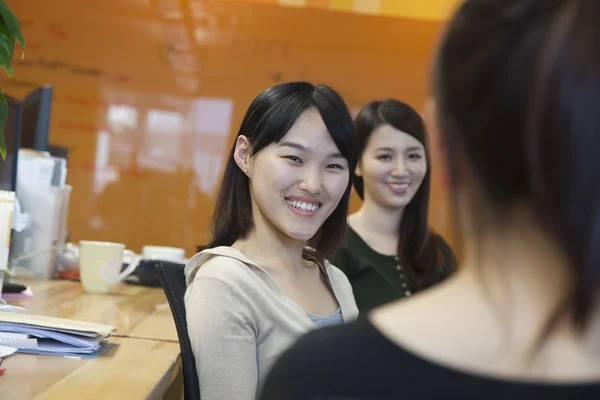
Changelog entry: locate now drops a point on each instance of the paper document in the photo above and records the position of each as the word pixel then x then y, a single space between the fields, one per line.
pixel 57 323
pixel 10 335
pixel 17 340
pixel 72 339
pixel 6 351
pixel 20 343
pixel 34 334
pixel 104 347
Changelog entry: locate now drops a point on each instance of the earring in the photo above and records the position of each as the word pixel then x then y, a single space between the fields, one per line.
pixel 246 171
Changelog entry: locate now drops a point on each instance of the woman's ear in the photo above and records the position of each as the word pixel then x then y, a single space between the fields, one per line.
pixel 241 154
pixel 358 170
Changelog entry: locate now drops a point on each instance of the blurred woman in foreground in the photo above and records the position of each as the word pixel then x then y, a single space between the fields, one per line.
pixel 517 86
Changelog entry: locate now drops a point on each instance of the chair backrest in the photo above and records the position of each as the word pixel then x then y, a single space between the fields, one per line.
pixel 172 279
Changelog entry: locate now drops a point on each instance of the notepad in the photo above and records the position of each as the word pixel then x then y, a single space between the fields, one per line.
pixel 34 334
pixel 58 323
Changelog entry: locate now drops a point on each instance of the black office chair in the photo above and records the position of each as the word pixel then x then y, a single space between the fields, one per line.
pixel 172 280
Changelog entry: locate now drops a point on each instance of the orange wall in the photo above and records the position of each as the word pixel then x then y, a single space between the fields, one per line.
pixel 429 9
pixel 149 95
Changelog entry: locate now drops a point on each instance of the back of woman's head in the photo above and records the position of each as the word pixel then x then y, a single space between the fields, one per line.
pixel 518 90
pixel 268 119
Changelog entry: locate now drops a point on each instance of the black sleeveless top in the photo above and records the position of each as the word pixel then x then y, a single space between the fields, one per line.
pixel 377 278
pixel 355 361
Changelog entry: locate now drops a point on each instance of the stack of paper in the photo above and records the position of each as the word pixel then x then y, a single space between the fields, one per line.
pixel 36 334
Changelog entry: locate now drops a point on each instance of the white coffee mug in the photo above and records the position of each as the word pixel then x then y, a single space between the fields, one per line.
pixel 173 254
pixel 100 265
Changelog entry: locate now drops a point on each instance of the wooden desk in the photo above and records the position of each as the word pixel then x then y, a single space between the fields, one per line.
pixel 134 369
pixel 133 310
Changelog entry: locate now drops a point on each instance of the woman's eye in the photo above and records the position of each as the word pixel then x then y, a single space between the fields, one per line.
pixel 384 157
pixel 415 156
pixel 336 166
pixel 294 159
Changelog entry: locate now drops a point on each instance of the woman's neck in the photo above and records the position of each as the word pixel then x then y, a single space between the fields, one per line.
pixel 373 217
pixel 267 246
pixel 377 226
pixel 522 270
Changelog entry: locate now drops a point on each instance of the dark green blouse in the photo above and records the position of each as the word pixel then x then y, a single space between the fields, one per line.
pixel 377 278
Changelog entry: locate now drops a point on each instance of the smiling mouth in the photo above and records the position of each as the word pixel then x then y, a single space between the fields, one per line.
pixel 303 205
pixel 399 186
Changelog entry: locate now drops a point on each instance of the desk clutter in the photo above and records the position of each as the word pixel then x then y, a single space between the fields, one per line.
pixel 145 336
pixel 15 291
pixel 34 334
pixel 39 265
pixel 107 263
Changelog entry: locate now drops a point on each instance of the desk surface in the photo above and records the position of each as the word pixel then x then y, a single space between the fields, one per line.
pixel 134 369
pixel 133 310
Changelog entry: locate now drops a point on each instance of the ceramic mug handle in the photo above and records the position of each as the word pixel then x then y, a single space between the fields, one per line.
pixel 134 261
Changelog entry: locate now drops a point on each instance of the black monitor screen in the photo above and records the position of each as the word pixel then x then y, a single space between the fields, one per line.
pixel 8 167
pixel 58 151
pixel 35 119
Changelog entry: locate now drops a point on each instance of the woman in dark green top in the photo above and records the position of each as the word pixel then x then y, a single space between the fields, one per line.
pixel 389 251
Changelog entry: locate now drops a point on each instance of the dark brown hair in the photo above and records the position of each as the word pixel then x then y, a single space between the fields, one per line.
pixel 268 119
pixel 419 250
pixel 518 91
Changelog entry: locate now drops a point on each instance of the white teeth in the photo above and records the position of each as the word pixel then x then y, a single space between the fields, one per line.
pixel 399 185
pixel 301 205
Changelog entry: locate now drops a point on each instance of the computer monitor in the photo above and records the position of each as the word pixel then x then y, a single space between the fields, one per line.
pixel 8 167
pixel 35 119
pixel 58 151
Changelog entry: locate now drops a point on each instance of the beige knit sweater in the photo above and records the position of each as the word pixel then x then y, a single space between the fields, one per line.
pixel 239 321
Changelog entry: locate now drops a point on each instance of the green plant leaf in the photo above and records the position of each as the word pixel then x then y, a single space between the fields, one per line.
pixel 7 48
pixel 13 24
pixel 3 118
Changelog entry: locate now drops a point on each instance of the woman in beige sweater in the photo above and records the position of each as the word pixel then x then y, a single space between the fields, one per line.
pixel 264 280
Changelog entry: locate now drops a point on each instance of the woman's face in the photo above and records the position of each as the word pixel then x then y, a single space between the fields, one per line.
pixel 298 182
pixel 393 166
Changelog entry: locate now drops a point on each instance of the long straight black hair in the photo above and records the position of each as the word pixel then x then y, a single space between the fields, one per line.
pixel 418 250
pixel 518 92
pixel 268 119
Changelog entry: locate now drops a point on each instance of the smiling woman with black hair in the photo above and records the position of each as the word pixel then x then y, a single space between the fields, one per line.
pixel 264 279
pixel 389 252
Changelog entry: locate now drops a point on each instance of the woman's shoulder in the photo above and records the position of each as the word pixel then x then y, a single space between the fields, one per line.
pixel 341 285
pixel 338 352
pixel 335 273
pixel 224 264
pixel 446 253
pixel 350 250
pixel 440 241
pixel 448 256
